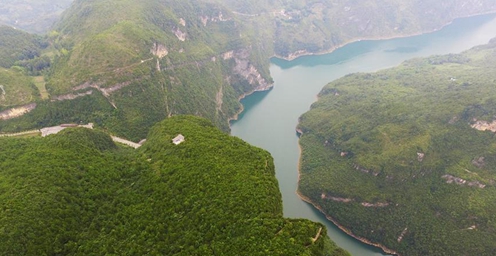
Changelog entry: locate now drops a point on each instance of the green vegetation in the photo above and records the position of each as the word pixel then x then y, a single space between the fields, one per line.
pixel 18 46
pixel 393 155
pixel 20 56
pixel 39 82
pixel 156 58
pixel 16 88
pixel 146 57
pixel 93 108
pixel 77 193
pixel 125 65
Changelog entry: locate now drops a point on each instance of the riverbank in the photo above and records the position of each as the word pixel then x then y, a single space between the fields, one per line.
pixel 344 229
pixel 244 95
pixel 330 218
pixel 302 53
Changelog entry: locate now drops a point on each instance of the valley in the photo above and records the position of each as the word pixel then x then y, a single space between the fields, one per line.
pixel 126 66
pixel 298 82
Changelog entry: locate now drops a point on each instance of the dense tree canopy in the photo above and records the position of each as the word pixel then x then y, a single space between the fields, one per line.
pixel 77 193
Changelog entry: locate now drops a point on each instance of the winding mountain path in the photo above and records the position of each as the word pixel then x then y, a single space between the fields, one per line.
pixel 56 129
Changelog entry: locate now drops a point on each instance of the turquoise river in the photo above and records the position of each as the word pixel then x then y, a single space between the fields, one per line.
pixel 270 117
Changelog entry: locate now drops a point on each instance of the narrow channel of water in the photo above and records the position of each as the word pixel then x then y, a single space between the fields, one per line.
pixel 270 118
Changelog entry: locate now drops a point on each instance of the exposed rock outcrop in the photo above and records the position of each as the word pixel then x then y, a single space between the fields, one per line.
pixel 479 162
pixel 336 199
pixel 17 112
pixel 106 91
pixel 246 70
pixel 462 182
pixel 220 17
pixel 364 170
pixel 374 205
pixel 403 233
pixel 2 92
pixel 179 34
pixel 420 156
pixel 159 50
pixel 182 22
pixel 484 125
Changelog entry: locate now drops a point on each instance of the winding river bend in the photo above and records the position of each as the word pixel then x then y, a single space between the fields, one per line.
pixel 270 117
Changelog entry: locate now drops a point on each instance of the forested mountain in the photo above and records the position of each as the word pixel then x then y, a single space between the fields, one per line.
pixel 77 193
pixel 405 157
pixel 126 65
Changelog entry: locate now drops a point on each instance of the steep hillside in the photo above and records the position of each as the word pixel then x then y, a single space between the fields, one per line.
pixel 156 58
pixel 152 59
pixel 405 157
pixel 18 46
pixel 20 57
pixel 77 193
pixel 16 88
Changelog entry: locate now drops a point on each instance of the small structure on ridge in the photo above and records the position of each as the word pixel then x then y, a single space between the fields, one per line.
pixel 178 139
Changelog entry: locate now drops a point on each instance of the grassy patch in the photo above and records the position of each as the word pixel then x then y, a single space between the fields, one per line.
pixel 39 81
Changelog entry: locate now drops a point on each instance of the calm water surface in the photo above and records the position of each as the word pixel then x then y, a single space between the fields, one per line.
pixel 270 118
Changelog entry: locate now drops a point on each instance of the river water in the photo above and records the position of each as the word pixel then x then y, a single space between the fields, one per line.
pixel 270 117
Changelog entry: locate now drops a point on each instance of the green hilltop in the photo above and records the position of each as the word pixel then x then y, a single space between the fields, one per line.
pixel 16 88
pixel 405 157
pixel 77 193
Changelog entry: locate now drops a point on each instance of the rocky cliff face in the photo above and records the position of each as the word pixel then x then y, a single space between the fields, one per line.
pixel 246 70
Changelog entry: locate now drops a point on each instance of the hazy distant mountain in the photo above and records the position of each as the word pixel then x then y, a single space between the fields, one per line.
pixel 35 16
pixel 312 26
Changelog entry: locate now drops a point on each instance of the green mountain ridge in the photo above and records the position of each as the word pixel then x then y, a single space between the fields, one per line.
pixel 77 193
pixel 400 157
pixel 145 57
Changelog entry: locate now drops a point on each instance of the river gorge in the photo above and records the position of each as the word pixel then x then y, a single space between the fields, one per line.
pixel 270 117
